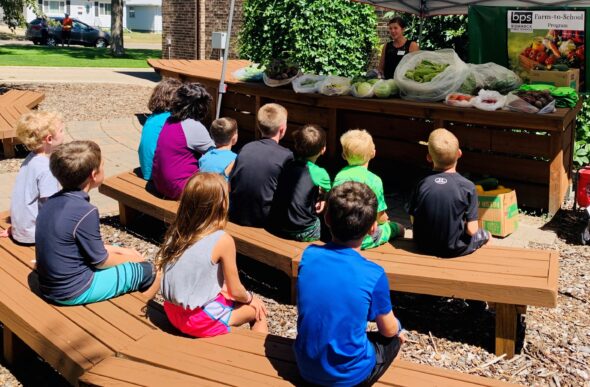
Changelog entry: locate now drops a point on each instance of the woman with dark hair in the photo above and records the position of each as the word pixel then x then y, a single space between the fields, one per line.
pixel 182 141
pixel 394 51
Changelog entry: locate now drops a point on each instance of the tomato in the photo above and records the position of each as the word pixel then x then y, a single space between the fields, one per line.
pixel 550 60
pixel 533 54
pixel 580 54
pixel 527 51
pixel 541 57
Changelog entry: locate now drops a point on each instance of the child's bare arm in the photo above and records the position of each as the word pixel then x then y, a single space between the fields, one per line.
pixel 388 325
pixel 225 251
pixel 472 227
pixel 118 255
pixel 229 168
pixel 382 217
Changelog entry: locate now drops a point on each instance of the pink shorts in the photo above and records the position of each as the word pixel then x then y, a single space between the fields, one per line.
pixel 210 320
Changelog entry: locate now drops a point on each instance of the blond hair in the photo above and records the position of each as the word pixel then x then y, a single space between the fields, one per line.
pixel 270 119
pixel 357 146
pixel 443 148
pixel 203 209
pixel 33 128
pixel 73 163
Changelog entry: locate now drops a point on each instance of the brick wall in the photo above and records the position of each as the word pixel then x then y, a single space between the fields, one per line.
pixel 179 23
pixel 217 12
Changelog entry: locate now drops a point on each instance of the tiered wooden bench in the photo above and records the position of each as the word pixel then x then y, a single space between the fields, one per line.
pixel 13 104
pixel 71 339
pixel 242 358
pixel 112 343
pixel 511 278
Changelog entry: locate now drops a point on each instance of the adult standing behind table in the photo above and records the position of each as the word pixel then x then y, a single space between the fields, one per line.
pixel 66 29
pixel 394 51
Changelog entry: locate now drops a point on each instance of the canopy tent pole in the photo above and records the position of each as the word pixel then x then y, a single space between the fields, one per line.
pixel 222 85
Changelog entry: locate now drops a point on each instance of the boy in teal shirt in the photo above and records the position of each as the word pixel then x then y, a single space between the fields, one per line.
pixel 358 149
pixel 302 186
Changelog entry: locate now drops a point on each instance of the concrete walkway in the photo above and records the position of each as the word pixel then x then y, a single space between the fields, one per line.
pixel 128 76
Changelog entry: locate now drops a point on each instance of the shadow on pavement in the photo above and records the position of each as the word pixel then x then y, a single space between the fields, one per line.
pixel 150 76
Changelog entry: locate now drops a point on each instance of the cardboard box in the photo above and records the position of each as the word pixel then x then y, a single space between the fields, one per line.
pixel 498 214
pixel 570 78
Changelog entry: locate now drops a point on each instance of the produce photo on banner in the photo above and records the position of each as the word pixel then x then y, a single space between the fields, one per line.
pixel 547 46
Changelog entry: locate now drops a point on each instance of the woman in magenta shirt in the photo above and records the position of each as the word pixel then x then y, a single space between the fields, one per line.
pixel 182 141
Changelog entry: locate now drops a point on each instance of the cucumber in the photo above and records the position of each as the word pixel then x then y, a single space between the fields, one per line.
pixel 561 67
pixel 488 184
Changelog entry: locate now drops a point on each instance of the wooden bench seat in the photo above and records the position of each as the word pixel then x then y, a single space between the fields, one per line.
pixel 71 339
pixel 243 358
pixel 511 278
pixel 13 104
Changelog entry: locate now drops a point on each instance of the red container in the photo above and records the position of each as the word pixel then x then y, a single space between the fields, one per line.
pixel 583 194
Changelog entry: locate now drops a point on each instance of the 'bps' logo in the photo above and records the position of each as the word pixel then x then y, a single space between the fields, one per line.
pixel 522 17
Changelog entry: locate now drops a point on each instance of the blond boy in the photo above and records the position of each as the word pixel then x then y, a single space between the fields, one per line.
pixel 358 149
pixel 40 132
pixel 257 168
pixel 444 205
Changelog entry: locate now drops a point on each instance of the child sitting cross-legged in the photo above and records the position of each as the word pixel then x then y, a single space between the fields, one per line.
pixel 41 132
pixel 201 285
pixel 358 149
pixel 338 291
pixel 159 104
pixel 74 265
pixel 299 198
pixel 224 132
pixel 259 164
pixel 444 205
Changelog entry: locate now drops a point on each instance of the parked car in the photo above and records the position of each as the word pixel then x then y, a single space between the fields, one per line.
pixel 48 31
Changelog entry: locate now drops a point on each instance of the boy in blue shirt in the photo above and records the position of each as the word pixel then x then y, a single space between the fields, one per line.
pixel 338 291
pixel 221 159
pixel 74 265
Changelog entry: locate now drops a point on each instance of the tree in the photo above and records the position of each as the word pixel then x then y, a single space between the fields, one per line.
pixel 13 11
pixel 116 28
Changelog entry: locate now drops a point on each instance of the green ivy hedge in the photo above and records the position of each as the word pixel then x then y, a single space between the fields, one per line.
pixel 323 36
pixel 582 145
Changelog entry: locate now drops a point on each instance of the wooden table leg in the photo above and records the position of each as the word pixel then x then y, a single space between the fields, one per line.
pixel 126 214
pixel 556 173
pixel 8 147
pixel 12 346
pixel 506 316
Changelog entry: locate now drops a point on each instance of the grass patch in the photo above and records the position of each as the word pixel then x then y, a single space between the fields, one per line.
pixel 14 55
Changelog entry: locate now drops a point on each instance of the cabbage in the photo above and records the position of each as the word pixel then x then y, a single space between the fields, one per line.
pixel 394 87
pixel 373 81
pixel 363 90
pixel 382 89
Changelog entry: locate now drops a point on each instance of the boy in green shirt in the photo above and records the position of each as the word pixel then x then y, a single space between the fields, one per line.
pixel 300 194
pixel 358 149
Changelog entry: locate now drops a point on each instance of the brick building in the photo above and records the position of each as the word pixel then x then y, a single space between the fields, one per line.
pixel 187 25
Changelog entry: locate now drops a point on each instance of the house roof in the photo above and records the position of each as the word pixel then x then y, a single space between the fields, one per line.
pixel 144 2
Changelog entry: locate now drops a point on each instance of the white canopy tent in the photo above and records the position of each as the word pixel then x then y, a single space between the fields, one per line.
pixel 422 8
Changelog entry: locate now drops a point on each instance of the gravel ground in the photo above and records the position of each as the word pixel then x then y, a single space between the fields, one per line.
pixel 449 333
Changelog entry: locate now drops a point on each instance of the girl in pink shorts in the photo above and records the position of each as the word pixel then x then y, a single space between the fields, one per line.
pixel 201 286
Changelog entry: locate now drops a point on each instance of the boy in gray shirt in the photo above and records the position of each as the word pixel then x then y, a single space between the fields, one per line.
pixel 40 132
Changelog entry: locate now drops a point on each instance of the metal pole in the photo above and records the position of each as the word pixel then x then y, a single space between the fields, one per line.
pixel 222 84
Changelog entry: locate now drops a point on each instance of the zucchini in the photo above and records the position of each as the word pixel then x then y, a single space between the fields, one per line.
pixel 488 184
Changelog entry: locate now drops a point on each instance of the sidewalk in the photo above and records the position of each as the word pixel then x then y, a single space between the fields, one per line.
pixel 18 74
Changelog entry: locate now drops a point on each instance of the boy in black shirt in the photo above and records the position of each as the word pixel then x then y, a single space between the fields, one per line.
pixel 299 197
pixel 444 204
pixel 253 180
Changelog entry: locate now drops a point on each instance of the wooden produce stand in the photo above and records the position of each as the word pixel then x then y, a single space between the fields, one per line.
pixel 531 153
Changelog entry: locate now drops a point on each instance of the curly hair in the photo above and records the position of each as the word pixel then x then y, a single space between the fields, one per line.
pixel 190 101
pixel 33 127
pixel 163 95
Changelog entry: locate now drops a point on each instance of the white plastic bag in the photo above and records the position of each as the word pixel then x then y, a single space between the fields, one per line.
pixel 308 83
pixel 444 83
pixel 490 76
pixel 368 93
pixel 252 73
pixel 459 100
pixel 489 100
pixel 334 85
pixel 516 104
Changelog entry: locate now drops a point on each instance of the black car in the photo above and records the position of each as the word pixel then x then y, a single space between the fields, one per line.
pixel 48 31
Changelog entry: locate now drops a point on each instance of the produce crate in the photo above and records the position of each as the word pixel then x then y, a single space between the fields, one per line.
pixel 527 62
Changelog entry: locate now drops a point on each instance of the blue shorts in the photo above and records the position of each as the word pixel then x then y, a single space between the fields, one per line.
pixel 115 281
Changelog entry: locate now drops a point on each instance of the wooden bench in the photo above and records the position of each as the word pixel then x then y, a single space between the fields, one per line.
pixel 511 278
pixel 243 358
pixel 113 344
pixel 71 339
pixel 13 104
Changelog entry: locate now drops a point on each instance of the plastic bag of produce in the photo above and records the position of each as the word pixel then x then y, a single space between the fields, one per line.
pixel 334 85
pixel 489 100
pixel 308 83
pixel 385 88
pixel 252 73
pixel 268 81
pixel 518 103
pixel 490 76
pixel 362 90
pixel 430 83
pixel 459 100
